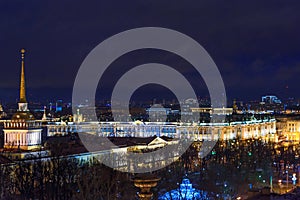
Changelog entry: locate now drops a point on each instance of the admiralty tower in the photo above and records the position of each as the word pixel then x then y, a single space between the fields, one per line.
pixel 22 132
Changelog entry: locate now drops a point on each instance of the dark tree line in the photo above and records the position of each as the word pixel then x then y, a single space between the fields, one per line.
pixel 63 179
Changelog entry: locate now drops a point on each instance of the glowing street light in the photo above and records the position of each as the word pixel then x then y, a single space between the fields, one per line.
pixel 294 179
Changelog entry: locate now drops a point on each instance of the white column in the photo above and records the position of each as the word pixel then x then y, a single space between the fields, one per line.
pixel 30 138
pixel 38 138
pixel 25 141
pixel 35 137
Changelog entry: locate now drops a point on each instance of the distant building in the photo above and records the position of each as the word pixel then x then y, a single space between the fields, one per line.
pixel 292 130
pixel 59 105
pixel 44 118
pixel 187 105
pixel 217 111
pixel 2 113
pixel 78 117
pixel 271 99
pixel 158 113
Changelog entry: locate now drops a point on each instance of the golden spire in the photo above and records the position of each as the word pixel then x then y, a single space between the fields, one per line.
pixel 22 83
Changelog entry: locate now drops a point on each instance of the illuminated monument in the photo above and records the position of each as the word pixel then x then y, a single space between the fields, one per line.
pixel 22 132
pixel 185 191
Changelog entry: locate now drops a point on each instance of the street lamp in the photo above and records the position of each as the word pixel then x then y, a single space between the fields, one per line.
pixel 280 185
pixel 294 179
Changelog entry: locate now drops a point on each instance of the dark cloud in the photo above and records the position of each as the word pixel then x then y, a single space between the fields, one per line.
pixel 254 43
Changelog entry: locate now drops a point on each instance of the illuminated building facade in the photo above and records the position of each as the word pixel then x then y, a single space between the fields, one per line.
pixel 271 99
pixel 78 117
pixel 2 113
pixel 22 131
pixel 197 131
pixel 216 111
pixel 291 130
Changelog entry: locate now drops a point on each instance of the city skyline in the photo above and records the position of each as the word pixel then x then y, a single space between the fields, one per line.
pixel 149 100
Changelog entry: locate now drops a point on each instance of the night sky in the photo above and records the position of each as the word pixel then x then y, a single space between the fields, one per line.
pixel 255 44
